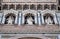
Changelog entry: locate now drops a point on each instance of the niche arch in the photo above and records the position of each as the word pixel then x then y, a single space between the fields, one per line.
pixel 10 15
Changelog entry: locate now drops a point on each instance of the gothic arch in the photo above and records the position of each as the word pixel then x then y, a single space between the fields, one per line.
pixel 48 14
pixel 7 16
pixel 28 11
pixel 50 17
pixel 27 16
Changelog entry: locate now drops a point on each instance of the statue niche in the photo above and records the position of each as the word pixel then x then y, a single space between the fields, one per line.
pixel 48 19
pixel 10 19
pixel 29 19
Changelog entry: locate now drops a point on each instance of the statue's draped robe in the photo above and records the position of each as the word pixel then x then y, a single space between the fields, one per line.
pixel 10 20
pixel 30 21
pixel 48 21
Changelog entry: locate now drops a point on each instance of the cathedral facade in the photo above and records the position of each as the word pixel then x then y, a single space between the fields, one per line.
pixel 29 19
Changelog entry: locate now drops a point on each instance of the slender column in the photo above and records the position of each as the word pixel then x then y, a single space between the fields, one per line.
pixel 23 19
pixel 50 7
pixel 36 7
pixel 42 7
pixel 20 15
pixel 42 19
pixel 55 20
pixel 36 19
pixel 22 7
pixel 3 20
pixel 29 7
pixel 15 7
pixel 16 19
pixel 1 7
pixel 39 20
pixel 8 7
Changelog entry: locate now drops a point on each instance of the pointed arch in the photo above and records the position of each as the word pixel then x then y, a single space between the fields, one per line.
pixel 12 20
pixel 27 16
pixel 48 18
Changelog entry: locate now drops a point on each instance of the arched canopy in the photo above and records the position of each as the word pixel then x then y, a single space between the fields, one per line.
pixel 48 14
pixel 10 18
pixel 48 18
pixel 29 14
pixel 10 14
pixel 34 12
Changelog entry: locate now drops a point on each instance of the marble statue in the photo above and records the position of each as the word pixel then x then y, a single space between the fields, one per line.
pixel 10 20
pixel 48 21
pixel 30 21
